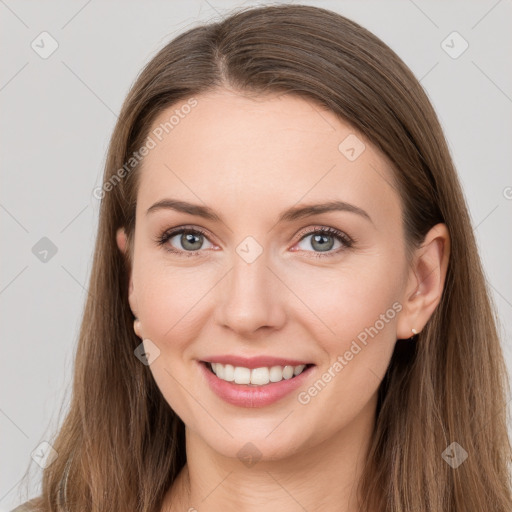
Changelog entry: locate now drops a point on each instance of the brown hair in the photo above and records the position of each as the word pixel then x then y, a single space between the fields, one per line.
pixel 121 445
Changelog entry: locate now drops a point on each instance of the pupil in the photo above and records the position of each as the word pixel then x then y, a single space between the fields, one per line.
pixel 317 238
pixel 188 239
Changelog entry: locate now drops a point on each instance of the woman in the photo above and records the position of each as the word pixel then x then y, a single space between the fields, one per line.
pixel 286 302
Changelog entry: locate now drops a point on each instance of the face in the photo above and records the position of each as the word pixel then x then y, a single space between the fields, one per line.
pixel 255 278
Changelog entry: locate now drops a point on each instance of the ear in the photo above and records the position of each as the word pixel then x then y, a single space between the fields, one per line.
pixel 122 243
pixel 425 282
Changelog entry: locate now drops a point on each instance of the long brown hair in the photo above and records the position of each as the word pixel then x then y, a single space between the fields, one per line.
pixel 121 445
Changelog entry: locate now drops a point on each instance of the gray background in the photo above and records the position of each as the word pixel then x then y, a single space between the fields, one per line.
pixel 57 117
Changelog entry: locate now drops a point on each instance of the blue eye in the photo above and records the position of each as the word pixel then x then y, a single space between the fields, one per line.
pixel 192 239
pixel 320 240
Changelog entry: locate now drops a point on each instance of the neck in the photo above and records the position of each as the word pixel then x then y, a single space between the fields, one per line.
pixel 322 477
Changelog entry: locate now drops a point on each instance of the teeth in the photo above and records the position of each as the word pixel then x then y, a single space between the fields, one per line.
pixel 260 376
pixel 256 376
pixel 242 375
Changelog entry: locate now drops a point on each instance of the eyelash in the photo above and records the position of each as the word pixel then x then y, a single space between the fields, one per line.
pixel 162 240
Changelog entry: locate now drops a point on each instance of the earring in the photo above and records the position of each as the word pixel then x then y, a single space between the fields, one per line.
pixel 136 327
pixel 414 333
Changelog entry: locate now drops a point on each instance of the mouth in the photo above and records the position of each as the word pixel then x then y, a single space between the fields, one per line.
pixel 259 386
pixel 255 377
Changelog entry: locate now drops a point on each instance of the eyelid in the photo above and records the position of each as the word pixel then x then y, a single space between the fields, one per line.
pixel 346 240
pixel 323 229
pixel 163 239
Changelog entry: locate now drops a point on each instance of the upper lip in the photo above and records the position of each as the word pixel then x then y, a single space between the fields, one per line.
pixel 254 362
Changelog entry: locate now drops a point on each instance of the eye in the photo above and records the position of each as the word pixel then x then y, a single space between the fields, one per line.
pixel 323 239
pixel 188 240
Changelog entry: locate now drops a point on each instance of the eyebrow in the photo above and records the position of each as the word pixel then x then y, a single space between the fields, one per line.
pixel 289 215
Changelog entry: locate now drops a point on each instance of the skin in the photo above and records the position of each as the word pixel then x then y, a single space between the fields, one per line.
pixel 250 158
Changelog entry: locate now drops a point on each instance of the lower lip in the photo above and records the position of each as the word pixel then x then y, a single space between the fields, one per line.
pixel 244 395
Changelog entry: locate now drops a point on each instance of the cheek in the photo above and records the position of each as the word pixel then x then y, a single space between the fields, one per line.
pixel 354 323
pixel 358 308
pixel 170 304
pixel 350 301
pixel 169 299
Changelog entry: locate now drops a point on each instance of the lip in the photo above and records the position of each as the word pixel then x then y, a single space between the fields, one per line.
pixel 250 395
pixel 254 362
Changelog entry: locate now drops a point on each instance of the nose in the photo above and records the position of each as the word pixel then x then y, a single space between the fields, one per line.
pixel 250 299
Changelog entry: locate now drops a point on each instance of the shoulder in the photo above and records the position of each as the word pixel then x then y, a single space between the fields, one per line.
pixel 28 506
pixel 22 508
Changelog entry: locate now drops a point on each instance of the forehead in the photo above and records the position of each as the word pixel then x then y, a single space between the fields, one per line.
pixel 234 151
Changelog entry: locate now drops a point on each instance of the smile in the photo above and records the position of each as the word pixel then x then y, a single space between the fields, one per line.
pixel 254 387
pixel 256 376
